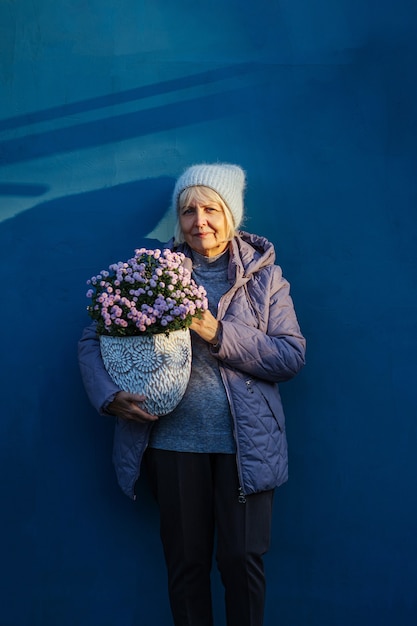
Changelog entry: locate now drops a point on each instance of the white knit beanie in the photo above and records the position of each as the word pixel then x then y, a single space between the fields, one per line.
pixel 227 180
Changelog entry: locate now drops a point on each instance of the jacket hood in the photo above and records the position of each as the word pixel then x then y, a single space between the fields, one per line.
pixel 251 253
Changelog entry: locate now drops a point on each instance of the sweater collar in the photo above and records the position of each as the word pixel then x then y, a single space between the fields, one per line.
pixel 219 261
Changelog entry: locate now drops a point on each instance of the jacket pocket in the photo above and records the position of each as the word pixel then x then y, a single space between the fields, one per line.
pixel 271 398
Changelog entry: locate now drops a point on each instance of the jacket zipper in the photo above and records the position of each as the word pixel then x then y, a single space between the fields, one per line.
pixel 242 496
pixel 241 493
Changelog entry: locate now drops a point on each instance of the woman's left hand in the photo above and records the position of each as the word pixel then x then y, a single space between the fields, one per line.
pixel 207 327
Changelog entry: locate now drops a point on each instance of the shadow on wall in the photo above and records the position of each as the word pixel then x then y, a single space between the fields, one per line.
pixel 232 96
pixel 47 254
pixel 139 93
pixel 50 251
pixel 81 231
pixel 126 126
pixel 22 189
pixel 53 444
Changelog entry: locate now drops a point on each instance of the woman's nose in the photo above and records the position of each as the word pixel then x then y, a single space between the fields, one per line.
pixel 200 217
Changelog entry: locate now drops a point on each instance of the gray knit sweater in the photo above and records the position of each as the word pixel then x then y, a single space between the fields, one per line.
pixel 202 421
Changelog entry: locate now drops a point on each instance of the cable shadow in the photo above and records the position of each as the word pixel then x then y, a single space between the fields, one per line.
pixel 23 189
pixel 146 91
pixel 127 126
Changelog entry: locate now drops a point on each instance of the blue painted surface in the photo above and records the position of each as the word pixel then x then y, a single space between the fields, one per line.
pixel 101 108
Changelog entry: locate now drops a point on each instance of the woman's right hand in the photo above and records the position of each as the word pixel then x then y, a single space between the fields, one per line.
pixel 126 406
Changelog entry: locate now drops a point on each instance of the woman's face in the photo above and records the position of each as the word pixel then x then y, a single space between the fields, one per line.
pixel 204 226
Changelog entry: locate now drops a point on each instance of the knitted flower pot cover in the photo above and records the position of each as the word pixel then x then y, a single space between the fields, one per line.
pixel 157 366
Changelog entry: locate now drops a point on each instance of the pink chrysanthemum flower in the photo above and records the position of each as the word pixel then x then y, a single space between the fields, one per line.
pixel 150 293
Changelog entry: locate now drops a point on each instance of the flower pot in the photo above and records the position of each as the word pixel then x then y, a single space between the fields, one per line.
pixel 157 366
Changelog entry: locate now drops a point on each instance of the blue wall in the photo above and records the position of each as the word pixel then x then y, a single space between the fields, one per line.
pixel 102 105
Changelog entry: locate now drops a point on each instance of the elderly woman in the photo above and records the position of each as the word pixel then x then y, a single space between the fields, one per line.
pixel 214 462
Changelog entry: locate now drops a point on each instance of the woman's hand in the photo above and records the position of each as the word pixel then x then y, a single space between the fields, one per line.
pixel 207 327
pixel 126 406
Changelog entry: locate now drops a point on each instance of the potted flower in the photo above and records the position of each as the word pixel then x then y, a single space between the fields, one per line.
pixel 143 308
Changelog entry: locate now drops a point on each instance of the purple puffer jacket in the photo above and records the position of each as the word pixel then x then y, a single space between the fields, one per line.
pixel 261 346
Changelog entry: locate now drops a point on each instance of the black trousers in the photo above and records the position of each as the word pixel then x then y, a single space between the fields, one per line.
pixel 198 495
